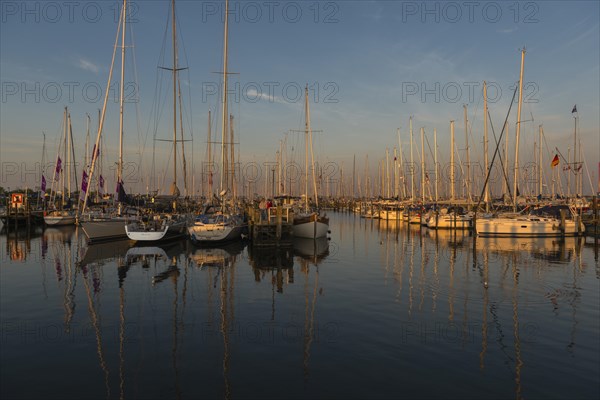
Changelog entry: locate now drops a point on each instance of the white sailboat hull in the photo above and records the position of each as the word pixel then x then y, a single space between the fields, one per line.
pixel 311 227
pixel 526 226
pixel 136 232
pixel 59 220
pixel 450 222
pixel 214 233
pixel 104 230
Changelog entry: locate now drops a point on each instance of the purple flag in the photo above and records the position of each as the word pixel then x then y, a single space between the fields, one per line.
pixel 58 165
pixel 84 182
pixel 101 184
pixel 43 186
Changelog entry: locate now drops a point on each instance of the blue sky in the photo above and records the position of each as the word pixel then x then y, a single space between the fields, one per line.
pixel 369 65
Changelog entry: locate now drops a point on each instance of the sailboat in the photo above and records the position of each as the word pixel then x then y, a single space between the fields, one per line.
pixel 310 224
pixel 221 226
pixel 110 227
pixel 61 216
pixel 530 225
pixel 164 226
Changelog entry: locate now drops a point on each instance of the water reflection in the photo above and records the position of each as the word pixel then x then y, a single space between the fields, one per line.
pixel 169 321
pixel 483 273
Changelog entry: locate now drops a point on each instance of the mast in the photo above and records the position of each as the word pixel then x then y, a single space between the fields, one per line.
pixel 353 176
pixel 396 177
pixel 87 141
pixel 423 164
pixel 122 87
pixel 224 98
pixel 68 155
pixel 516 173
pixel 504 181
pixel 306 149
pixel 486 194
pixel 468 180
pixel 435 161
pixel 312 155
pixel 209 145
pixel 387 171
pixel 401 166
pixel 452 161
pixel 72 154
pixel 62 176
pixel 540 163
pixel 232 151
pixel 106 93
pixel 412 166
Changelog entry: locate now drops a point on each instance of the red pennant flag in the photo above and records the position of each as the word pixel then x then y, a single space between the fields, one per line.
pixel 555 161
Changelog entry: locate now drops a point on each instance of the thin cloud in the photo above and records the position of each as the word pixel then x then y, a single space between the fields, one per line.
pixel 88 65
pixel 507 30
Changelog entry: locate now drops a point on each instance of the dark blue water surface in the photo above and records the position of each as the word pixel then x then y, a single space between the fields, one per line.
pixel 382 310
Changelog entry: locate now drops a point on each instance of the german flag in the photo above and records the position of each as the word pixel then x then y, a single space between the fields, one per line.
pixel 555 161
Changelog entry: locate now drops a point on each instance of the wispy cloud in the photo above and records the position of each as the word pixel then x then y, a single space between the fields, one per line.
pixel 254 94
pixel 508 30
pixel 88 65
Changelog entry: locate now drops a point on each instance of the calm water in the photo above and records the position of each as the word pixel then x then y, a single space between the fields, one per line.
pixel 381 310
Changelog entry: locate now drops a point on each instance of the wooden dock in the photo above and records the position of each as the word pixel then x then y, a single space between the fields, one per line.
pixel 19 214
pixel 271 227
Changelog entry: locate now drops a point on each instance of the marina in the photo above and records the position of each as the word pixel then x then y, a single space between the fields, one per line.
pixel 349 200
pixel 380 299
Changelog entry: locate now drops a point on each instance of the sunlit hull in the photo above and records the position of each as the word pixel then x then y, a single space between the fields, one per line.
pixel 526 227
pixel 59 219
pixel 311 226
pixel 166 231
pixel 104 230
pixel 214 233
pixel 450 221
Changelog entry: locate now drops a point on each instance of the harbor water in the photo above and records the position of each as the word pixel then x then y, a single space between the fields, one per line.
pixel 378 310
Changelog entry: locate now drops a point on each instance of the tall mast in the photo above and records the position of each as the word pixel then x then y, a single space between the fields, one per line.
pixel 452 160
pixel 209 145
pixel 87 141
pixel 468 180
pixel 423 164
pixel 396 177
pixel 504 181
pixel 65 160
pixel 412 166
pixel 306 149
pixel 516 173
pixel 102 113
pixel 232 151
pixel 540 188
pixel 174 189
pixel 224 98
pixel 387 171
pixel 401 166
pixel 312 155
pixel 435 161
pixel 122 87
pixel 353 176
pixel 486 194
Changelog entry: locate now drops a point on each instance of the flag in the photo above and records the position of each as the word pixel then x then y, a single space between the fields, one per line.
pixel 43 186
pixel 84 182
pixel 566 167
pixel 555 161
pixel 95 152
pixel 574 110
pixel 101 184
pixel 121 194
pixel 579 167
pixel 395 158
pixel 58 166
